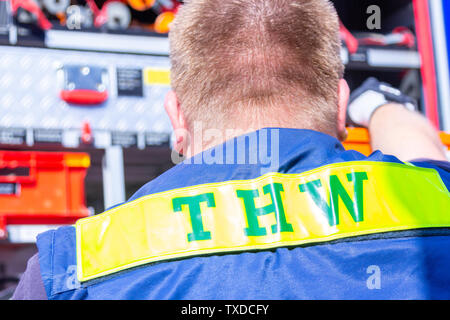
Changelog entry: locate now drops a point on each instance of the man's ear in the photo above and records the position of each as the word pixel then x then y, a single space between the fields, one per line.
pixel 179 124
pixel 343 97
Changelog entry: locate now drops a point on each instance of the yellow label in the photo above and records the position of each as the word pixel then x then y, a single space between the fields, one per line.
pixel 154 76
pixel 276 210
pixel 80 160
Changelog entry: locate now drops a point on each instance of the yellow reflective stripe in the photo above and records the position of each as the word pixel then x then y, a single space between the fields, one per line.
pixel 365 198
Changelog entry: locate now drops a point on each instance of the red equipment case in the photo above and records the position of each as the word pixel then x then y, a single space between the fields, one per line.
pixel 41 188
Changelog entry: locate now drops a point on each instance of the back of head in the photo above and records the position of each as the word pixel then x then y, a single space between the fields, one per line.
pixel 258 62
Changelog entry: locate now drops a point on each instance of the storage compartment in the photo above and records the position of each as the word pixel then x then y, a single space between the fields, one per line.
pixel 42 188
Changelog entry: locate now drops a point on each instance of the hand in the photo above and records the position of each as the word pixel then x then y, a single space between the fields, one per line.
pixel 370 96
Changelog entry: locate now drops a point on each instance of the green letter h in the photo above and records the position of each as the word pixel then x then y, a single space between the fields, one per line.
pixel 276 207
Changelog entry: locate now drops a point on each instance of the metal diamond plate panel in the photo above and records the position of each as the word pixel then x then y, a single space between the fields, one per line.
pixel 30 92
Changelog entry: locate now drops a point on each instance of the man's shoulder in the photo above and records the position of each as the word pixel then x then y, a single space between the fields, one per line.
pixel 432 164
pixel 31 286
pixel 442 167
pixel 57 259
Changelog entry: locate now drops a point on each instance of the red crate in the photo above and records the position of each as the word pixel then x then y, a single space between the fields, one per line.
pixel 42 188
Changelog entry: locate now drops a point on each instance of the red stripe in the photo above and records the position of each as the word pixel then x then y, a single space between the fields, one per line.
pixel 425 43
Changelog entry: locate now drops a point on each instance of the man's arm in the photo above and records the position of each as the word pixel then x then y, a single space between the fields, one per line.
pixel 31 286
pixel 405 134
pixel 394 127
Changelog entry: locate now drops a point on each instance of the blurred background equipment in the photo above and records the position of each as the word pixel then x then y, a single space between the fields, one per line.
pixel 55 7
pixel 125 15
pixel 141 5
pixel 119 16
pixel 41 188
pixel 84 84
pixel 163 21
pixel 400 36
pixel 29 11
pixel 78 17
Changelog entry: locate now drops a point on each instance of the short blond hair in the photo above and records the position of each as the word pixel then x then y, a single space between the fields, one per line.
pixel 260 58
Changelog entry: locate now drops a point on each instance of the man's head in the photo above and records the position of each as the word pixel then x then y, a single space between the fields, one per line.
pixel 240 64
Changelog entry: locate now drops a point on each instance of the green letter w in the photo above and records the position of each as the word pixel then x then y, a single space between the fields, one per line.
pixel 337 191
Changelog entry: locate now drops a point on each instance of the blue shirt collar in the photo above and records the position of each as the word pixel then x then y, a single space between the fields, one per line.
pixel 272 150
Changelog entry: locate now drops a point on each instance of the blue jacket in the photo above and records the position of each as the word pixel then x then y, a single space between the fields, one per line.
pixel 405 264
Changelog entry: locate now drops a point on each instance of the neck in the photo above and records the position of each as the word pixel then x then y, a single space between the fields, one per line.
pixel 204 139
